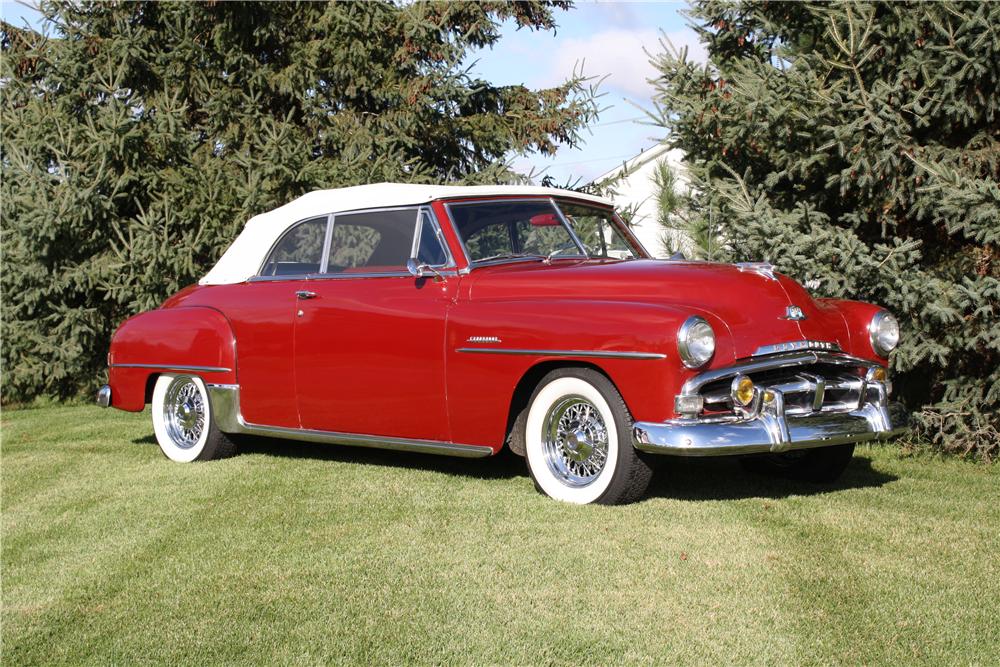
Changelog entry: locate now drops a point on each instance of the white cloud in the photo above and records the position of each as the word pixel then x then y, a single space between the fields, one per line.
pixel 619 53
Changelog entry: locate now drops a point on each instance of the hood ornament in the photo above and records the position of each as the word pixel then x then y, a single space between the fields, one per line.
pixel 793 313
pixel 765 269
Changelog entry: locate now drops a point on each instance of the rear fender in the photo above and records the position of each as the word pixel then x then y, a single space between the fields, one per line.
pixel 195 340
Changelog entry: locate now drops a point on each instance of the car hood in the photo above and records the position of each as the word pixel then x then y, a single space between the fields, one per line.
pixel 752 305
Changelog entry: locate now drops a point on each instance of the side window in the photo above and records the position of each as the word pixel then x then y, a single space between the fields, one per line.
pixel 381 241
pixel 353 243
pixel 299 251
pixel 595 230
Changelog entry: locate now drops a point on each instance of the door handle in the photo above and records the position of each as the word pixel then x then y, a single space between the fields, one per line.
pixel 305 294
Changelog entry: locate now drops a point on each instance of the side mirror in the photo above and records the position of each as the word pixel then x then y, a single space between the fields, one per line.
pixel 418 270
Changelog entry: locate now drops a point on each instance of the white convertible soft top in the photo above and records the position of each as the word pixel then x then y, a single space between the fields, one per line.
pixel 247 253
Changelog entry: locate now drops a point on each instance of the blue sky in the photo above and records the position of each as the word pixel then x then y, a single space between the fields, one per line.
pixel 604 38
pixel 17 13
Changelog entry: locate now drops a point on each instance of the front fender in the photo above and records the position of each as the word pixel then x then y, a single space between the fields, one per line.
pixel 492 344
pixel 195 340
pixel 857 316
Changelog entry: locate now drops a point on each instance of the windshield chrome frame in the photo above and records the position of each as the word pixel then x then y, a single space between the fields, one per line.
pixel 638 250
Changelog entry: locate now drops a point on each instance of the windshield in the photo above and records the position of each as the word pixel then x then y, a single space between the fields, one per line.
pixel 499 230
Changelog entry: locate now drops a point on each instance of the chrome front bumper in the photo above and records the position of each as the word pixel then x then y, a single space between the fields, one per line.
pixel 686 438
pixel 769 428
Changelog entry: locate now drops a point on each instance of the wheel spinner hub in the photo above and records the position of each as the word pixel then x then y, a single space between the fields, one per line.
pixel 578 446
pixel 187 415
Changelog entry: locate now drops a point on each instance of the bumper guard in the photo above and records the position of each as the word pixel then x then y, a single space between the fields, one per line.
pixel 104 396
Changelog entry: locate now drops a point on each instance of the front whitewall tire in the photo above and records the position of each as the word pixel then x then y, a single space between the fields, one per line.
pixel 578 440
pixel 548 478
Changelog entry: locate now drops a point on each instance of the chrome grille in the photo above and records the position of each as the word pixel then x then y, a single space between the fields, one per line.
pixel 806 389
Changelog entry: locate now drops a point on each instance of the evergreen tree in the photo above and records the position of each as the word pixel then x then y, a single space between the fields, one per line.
pixel 857 146
pixel 682 234
pixel 139 137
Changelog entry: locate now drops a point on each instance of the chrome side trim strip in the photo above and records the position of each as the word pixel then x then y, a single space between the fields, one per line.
pixel 194 369
pixel 597 354
pixel 225 404
pixel 342 276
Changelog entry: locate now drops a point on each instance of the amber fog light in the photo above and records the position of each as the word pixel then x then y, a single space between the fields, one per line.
pixel 742 390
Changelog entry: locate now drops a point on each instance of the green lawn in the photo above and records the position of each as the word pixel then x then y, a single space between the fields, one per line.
pixel 317 554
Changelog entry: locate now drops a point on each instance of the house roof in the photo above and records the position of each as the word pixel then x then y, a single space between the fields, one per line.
pixel 634 163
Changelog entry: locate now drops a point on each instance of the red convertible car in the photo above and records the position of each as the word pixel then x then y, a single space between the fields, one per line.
pixel 460 320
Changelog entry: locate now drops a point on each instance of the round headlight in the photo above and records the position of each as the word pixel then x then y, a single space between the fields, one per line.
pixel 695 342
pixel 884 333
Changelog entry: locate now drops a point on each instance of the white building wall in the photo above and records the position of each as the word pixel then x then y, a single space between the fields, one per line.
pixel 638 188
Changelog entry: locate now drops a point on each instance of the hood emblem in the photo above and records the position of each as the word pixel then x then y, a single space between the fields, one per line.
pixel 794 313
pixel 796 346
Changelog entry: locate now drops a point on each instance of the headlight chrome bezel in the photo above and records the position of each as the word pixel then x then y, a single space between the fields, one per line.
pixel 875 331
pixel 691 327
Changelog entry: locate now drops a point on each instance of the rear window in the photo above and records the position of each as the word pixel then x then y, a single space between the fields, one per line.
pixel 300 250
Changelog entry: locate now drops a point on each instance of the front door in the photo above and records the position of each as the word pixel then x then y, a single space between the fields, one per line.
pixel 369 337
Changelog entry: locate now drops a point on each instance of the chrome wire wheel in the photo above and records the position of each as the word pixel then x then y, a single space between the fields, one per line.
pixel 575 441
pixel 184 413
pixel 183 420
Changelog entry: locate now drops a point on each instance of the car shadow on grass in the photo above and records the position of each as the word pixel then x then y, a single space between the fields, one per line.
pixel 723 478
pixel 679 478
pixel 504 465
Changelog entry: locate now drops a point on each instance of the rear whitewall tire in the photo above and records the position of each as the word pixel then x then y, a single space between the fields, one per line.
pixel 597 424
pixel 183 421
